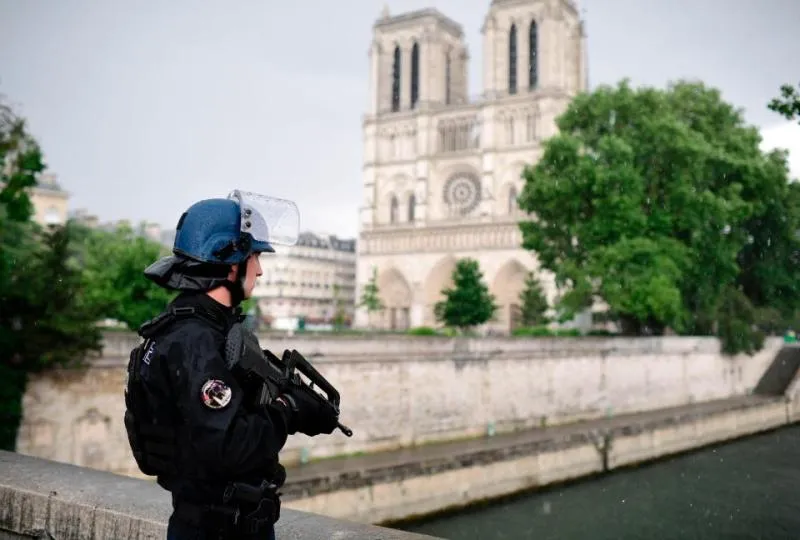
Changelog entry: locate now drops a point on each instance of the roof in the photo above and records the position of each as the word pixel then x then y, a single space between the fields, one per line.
pixel 402 19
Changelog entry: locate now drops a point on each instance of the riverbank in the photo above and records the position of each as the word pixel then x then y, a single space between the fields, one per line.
pixel 411 483
pixel 742 489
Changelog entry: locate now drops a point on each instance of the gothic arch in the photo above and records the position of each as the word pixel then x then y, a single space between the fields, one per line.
pixel 414 74
pixel 90 436
pixel 533 56
pixel 508 199
pixel 394 208
pixel 458 169
pixel 507 285
pixel 411 207
pixel 395 293
pixel 440 277
pixel 393 288
pixel 396 72
pixel 512 59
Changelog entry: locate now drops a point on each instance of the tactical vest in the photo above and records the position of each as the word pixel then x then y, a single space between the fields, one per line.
pixel 154 445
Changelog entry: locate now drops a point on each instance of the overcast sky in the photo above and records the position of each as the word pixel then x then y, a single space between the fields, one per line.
pixel 143 107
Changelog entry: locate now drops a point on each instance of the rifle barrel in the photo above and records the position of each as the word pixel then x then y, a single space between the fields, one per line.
pixel 346 430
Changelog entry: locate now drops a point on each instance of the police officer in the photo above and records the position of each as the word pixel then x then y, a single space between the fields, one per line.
pixel 188 419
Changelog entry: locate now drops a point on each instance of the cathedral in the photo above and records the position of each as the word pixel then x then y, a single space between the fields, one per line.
pixel 442 169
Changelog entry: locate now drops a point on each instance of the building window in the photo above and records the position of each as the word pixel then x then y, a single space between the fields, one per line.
pixel 393 208
pixel 414 75
pixel 512 200
pixel 533 56
pixel 52 216
pixel 512 60
pixel 396 80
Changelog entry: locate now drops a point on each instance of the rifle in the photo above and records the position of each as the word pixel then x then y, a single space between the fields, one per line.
pixel 267 376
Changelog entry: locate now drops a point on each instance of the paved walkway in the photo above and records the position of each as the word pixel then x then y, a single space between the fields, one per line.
pixel 359 465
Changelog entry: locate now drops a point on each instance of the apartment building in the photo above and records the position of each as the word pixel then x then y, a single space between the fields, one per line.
pixel 313 281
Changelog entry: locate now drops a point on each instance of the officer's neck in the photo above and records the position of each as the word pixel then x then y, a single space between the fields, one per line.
pixel 222 296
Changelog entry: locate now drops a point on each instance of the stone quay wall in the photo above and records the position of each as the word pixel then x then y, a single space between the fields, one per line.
pixel 403 391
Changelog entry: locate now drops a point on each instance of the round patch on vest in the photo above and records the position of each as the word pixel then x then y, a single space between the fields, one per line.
pixel 216 394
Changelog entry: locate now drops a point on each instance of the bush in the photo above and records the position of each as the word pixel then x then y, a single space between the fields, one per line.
pixel 423 331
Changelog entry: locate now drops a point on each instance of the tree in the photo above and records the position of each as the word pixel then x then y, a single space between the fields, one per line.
pixel 788 103
pixel 113 263
pixel 20 163
pixel 770 264
pixel 44 321
pixel 651 200
pixel 534 302
pixel 370 296
pixel 468 303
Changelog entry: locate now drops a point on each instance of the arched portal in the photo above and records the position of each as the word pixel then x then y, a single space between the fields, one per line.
pixel 507 286
pixel 395 293
pixel 440 277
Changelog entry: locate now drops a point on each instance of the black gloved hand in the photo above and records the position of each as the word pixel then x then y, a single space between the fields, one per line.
pixel 308 415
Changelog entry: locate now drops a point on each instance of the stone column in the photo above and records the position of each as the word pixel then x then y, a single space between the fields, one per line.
pixel 405 75
pixel 489 57
pixel 375 87
pixel 426 72
pixel 583 63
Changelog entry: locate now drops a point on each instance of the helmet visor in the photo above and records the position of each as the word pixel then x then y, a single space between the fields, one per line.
pixel 268 219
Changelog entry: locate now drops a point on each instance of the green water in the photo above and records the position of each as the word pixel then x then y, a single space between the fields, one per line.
pixel 748 489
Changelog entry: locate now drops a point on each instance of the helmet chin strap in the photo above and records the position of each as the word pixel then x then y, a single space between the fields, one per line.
pixel 236 288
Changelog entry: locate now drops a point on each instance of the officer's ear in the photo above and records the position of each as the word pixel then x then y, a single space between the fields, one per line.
pixel 233 272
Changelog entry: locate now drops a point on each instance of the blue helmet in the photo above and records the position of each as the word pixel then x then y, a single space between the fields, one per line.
pixel 211 231
pixel 215 234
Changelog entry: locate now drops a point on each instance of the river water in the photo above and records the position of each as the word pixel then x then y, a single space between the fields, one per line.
pixel 747 489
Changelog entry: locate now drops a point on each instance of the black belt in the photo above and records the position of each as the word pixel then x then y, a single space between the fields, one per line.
pixel 247 509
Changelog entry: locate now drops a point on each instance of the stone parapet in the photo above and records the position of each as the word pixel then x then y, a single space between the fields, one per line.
pixel 45 499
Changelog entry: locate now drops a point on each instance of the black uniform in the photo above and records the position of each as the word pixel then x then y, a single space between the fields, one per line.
pixel 190 425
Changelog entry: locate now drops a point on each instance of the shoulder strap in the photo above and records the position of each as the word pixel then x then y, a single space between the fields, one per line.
pixel 166 318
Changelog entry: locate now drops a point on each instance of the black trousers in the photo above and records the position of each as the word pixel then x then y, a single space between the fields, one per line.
pixel 181 530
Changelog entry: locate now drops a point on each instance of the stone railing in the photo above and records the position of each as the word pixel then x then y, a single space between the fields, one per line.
pixel 47 499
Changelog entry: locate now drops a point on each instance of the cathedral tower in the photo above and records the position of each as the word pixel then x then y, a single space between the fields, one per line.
pixel 418 60
pixel 442 172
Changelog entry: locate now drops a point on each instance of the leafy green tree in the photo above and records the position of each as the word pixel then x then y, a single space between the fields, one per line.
pixel 43 320
pixel 648 199
pixel 770 264
pixel 534 302
pixel 20 163
pixel 113 264
pixel 788 103
pixel 468 302
pixel 370 296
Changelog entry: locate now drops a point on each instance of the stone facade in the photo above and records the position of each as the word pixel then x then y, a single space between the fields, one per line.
pixel 50 202
pixel 442 171
pixel 404 391
pixel 313 279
